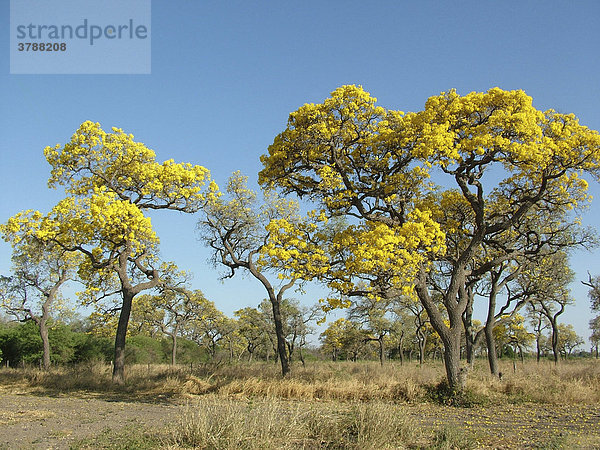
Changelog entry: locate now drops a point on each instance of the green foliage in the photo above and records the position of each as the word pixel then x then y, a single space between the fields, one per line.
pixel 187 351
pixel 92 348
pixel 21 343
pixel 144 350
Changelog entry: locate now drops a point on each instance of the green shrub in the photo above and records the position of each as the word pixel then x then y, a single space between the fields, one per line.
pixel 144 350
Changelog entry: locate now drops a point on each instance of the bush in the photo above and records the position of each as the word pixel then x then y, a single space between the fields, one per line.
pixel 144 350
pixel 21 343
pixel 442 393
pixel 92 348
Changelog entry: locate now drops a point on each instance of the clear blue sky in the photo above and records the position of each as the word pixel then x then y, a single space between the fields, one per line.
pixel 225 76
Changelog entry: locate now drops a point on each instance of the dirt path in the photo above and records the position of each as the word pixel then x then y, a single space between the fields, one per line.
pixel 28 421
pixel 57 422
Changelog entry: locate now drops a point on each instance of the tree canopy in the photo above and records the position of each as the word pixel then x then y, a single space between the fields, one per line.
pixel 503 157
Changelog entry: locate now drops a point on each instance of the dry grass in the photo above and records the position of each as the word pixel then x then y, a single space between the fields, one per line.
pixel 268 423
pixel 572 382
pixel 337 405
pixel 214 422
pixel 568 383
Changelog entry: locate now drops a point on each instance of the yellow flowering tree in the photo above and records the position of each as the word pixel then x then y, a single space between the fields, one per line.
pixel 360 160
pixel 568 339
pixel 111 181
pixel 269 237
pixel 512 332
pixel 344 338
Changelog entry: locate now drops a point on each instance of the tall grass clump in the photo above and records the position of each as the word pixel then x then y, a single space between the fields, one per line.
pixel 271 424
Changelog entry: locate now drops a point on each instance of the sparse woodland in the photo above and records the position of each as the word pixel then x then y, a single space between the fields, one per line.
pixel 410 221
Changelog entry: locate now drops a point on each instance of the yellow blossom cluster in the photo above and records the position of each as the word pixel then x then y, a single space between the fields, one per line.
pixel 95 159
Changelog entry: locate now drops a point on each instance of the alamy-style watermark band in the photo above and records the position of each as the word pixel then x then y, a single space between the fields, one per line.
pixel 80 37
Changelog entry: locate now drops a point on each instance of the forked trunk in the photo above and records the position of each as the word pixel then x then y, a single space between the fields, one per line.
pixel 455 375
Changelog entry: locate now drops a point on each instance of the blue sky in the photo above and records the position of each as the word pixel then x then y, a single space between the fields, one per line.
pixel 225 76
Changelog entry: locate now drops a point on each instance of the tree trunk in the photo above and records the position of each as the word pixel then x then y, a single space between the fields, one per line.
pixel 455 375
pixel 555 341
pixel 470 336
pixel 521 357
pixel 450 336
pixel 45 343
pixel 281 344
pixel 490 322
pixel 401 348
pixel 42 322
pixel 422 343
pixel 174 348
pixel 381 350
pixel 491 349
pixel 118 376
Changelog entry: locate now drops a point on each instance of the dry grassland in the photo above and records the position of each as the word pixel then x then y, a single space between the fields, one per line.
pixel 325 405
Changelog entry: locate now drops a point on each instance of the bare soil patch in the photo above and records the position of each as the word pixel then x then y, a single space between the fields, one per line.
pixel 38 421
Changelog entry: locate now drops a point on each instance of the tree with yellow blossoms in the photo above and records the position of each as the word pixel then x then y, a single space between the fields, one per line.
pixel 512 332
pixel 360 160
pixel 344 338
pixel 262 238
pixel 111 181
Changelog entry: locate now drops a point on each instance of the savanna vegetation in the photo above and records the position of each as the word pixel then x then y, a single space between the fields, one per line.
pixel 410 221
pixel 341 404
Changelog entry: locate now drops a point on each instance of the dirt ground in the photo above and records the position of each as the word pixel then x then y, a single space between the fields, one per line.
pixel 56 422
pixel 30 421
pixel 519 426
